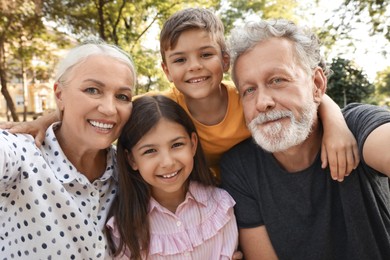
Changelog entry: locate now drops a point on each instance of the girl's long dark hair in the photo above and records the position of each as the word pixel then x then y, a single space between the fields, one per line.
pixel 130 207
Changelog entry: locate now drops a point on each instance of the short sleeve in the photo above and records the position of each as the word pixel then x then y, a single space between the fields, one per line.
pixel 239 180
pixel 362 119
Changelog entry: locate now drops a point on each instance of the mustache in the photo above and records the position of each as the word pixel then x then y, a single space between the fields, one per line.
pixel 266 117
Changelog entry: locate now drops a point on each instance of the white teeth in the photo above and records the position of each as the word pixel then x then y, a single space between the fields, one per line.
pixel 101 125
pixel 197 80
pixel 169 175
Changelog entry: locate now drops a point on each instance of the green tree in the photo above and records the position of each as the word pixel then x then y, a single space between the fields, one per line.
pixel 124 23
pixel 348 83
pixel 24 37
pixel 19 21
pixel 382 82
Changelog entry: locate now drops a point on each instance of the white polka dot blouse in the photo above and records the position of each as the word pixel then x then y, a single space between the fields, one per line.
pixel 49 210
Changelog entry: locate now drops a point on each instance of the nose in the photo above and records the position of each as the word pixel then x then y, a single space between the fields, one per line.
pixel 167 160
pixel 195 64
pixel 107 106
pixel 264 100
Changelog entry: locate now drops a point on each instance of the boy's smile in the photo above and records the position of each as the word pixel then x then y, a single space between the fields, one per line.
pixel 196 64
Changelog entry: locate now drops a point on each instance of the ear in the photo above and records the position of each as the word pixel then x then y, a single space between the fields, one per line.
pixel 194 143
pixel 58 96
pixel 225 61
pixel 320 84
pixel 130 160
pixel 166 71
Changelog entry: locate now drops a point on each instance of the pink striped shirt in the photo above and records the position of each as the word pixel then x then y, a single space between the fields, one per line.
pixel 203 227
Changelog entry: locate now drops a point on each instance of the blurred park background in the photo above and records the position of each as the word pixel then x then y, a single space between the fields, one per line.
pixel 34 34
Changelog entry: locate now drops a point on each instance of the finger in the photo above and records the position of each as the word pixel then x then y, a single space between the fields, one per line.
pixel 333 165
pixel 6 125
pixel 39 139
pixel 342 159
pixel 237 255
pixel 324 157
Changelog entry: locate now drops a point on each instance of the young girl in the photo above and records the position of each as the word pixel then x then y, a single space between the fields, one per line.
pixel 167 205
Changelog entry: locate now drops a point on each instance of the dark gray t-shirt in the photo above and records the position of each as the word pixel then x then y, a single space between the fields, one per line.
pixel 307 214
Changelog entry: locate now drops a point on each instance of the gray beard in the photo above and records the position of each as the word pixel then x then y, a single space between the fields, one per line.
pixel 274 137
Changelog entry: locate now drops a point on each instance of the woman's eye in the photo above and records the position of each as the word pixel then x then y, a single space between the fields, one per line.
pixel 123 97
pixel 205 55
pixel 93 91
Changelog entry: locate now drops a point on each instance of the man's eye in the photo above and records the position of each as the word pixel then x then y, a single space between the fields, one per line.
pixel 277 80
pixel 249 91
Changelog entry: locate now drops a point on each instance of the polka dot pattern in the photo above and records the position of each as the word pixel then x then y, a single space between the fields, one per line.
pixel 48 210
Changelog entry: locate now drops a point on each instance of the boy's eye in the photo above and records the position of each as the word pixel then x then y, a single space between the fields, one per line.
pixel 178 60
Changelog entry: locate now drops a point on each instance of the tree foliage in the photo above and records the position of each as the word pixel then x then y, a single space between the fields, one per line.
pixel 382 82
pixel 19 23
pixel 348 83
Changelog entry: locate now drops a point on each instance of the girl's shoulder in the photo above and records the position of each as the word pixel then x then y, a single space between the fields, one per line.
pixel 211 195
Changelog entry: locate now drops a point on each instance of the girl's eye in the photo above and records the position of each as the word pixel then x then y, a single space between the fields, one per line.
pixel 92 91
pixel 177 145
pixel 123 97
pixel 149 151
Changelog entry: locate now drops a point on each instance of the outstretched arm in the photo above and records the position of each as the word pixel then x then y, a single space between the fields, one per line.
pixel 376 151
pixel 339 147
pixel 36 128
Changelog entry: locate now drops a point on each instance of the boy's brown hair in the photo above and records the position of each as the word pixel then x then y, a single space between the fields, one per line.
pixel 187 19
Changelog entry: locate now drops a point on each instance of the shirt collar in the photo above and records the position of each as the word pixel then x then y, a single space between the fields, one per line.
pixel 196 193
pixel 63 169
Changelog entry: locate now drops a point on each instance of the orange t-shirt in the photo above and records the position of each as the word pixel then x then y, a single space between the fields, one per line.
pixel 217 139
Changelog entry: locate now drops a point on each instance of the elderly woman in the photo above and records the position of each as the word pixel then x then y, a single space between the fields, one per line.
pixel 54 199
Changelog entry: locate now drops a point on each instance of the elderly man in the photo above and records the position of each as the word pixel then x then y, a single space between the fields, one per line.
pixel 288 207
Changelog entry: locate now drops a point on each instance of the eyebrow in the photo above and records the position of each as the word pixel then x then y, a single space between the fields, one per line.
pixel 153 145
pixel 201 48
pixel 101 84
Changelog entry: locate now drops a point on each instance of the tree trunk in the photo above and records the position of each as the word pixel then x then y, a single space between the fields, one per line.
pixel 3 81
pixel 8 99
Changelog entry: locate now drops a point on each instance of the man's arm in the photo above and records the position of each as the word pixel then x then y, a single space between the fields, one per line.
pixel 255 244
pixel 376 149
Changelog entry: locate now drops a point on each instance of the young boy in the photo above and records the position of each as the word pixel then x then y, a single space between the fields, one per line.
pixel 194 59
